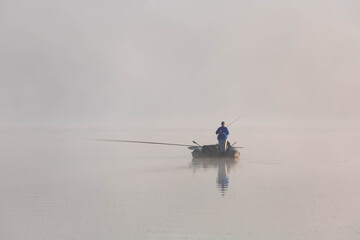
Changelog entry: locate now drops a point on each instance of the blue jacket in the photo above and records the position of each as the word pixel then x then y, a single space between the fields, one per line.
pixel 223 132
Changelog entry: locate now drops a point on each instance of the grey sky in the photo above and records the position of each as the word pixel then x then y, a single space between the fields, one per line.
pixel 120 61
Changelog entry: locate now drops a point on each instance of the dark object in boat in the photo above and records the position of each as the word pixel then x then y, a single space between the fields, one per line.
pixel 214 151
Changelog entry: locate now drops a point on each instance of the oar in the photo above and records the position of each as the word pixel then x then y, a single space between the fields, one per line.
pixel 196 143
pixel 159 143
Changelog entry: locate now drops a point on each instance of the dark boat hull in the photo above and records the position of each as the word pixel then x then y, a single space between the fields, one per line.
pixel 213 151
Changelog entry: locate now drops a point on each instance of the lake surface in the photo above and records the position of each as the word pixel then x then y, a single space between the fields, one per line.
pixel 61 184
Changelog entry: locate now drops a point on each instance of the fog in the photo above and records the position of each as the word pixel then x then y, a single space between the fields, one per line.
pixel 179 62
pixel 171 71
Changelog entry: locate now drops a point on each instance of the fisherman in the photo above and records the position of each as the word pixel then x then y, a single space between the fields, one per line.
pixel 222 133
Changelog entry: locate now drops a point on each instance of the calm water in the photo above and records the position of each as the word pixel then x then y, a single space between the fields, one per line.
pixel 60 184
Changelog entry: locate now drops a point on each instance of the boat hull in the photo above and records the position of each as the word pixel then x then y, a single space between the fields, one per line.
pixel 212 151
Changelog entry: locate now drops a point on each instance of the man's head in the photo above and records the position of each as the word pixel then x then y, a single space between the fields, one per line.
pixel 223 123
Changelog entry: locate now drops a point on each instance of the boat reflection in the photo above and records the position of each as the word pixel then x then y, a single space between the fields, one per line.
pixel 222 164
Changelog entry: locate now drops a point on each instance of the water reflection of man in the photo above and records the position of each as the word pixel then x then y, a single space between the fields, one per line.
pixel 224 166
pixel 223 178
pixel 222 133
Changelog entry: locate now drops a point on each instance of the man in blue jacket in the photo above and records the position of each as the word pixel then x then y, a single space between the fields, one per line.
pixel 222 132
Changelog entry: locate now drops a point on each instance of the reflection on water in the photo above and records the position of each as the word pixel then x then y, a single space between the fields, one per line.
pixel 222 164
pixel 292 185
pixel 222 178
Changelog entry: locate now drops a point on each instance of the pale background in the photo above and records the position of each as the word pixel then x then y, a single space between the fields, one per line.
pixel 91 63
pixel 171 71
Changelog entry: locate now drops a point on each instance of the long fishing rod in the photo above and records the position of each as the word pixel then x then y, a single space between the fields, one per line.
pixel 234 121
pixel 229 125
pixel 191 147
pixel 158 143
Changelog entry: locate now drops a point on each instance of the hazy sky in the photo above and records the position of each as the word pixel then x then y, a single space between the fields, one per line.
pixel 119 61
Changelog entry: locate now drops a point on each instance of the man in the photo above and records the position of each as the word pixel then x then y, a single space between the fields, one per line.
pixel 222 132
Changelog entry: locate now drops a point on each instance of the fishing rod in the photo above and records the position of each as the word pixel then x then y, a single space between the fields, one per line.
pixel 234 121
pixel 158 143
pixel 229 125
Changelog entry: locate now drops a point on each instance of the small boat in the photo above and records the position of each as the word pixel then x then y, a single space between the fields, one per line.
pixel 214 151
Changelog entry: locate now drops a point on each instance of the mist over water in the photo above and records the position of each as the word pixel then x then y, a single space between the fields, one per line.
pixel 159 61
pixel 286 184
pixel 171 71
